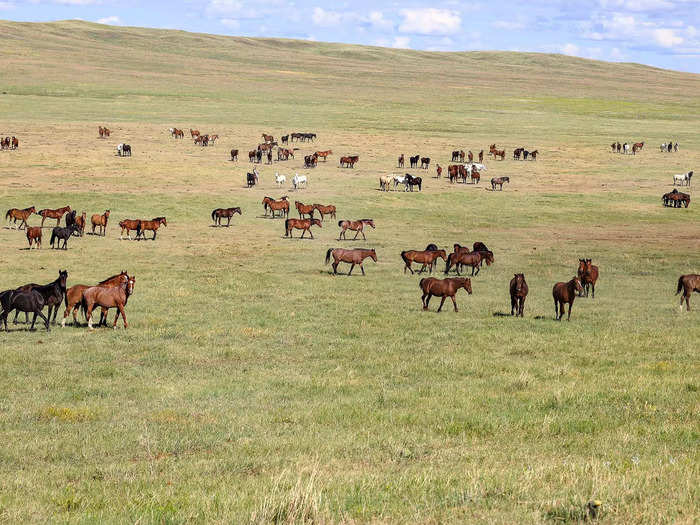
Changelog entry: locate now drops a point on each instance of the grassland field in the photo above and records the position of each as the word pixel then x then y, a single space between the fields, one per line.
pixel 254 386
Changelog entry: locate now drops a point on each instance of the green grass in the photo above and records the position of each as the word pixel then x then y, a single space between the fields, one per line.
pixel 253 386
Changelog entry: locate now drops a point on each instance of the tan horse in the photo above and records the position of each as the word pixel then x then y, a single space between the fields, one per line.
pixel 353 257
pixel 106 298
pixel 53 214
pixel 101 222
pixel 15 214
pixel 74 294
pixel 356 226
pixel 443 288
pixel 688 284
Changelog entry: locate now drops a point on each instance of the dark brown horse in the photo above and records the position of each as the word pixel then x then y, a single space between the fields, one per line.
pixel 427 258
pixel 53 214
pixel 688 284
pixel 100 221
pixel 499 181
pixel 356 226
pixel 234 154
pixel 353 257
pixel 34 234
pixel 518 293
pixel 401 160
pixel 74 294
pixel 16 214
pixel 325 210
pixel 588 275
pixel 565 293
pixel 300 224
pixel 467 258
pixel 151 225
pixel 304 209
pixel 112 297
pixel 128 225
pixel 221 213
pixel 443 288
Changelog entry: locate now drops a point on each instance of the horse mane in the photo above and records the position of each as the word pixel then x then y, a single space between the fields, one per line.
pixel 113 277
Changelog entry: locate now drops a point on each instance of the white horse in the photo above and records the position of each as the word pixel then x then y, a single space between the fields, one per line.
pixel 399 179
pixel 683 179
pixel 474 166
pixel 298 180
pixel 280 179
pixel 663 147
pixel 626 148
pixel 172 132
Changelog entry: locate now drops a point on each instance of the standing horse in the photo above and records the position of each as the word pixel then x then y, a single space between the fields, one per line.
pixel 427 258
pixel 465 258
pixel 498 181
pixel 588 275
pixel 438 169
pixel 80 223
pixel 325 210
pixel 324 154
pixel 14 214
pixel 385 182
pixel 100 221
pixel 281 205
pixel 23 301
pixel 128 225
pixel 59 234
pixel 565 293
pixel 34 234
pixel 74 294
pixel 401 160
pixel 683 179
pixel 353 257
pixel 443 288
pixel 53 214
pixel 688 284
pixel 518 293
pixel 300 224
pixel 234 155
pixel 220 213
pixel 533 155
pixel 114 297
pixel 411 181
pixel 425 162
pixel 151 225
pixel 414 161
pixel 298 180
pixel 356 226
pixel 304 209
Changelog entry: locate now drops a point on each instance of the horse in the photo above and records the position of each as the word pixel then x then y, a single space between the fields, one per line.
pixel 399 179
pixel 325 210
pixel 220 213
pixel 481 156
pixel 385 182
pixel 443 288
pixel 533 155
pixel 298 180
pixel 353 257
pixel 251 155
pixel 310 161
pixel 518 293
pixel 152 225
pixel 53 214
pixel 213 139
pixel 455 155
pixel 638 146
pixel 74 295
pixel 285 139
pixel 499 153
pixel 280 205
pixel 517 152
pixel 324 154
pixel 438 169
pixel 123 150
pixel 80 223
pixel 356 226
pixel 498 181
pixel 250 179
pixel 470 156
pixel 626 148
pixel 427 258
pixel 234 155
pixel 268 138
pixel 414 161
pixel 22 299
pixel 401 161
pixel 475 176
pixel 676 199
pixel 112 297
pixel 453 172
pixel 34 234
pixel 465 258
pixel 14 214
pixel 304 209
pixel 683 179
pixel 280 179
pixel 128 225
pixel 411 181
pixel 588 275
pixel 300 224
pixel 194 133
pixel 100 221
pixel 688 284
pixel 349 161
pixel 565 293
pixel 59 234
pixel 425 162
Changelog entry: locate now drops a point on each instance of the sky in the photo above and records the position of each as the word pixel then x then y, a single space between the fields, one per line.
pixel 662 33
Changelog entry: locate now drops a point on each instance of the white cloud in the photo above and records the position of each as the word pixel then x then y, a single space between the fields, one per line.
pixel 110 20
pixel 6 6
pixel 224 7
pixel 570 49
pixel 231 23
pixel 430 21
pixel 377 21
pixel 507 25
pixel 401 42
pixel 666 37
pixel 324 18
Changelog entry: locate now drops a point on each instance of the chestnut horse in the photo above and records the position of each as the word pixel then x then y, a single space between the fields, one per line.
pixel 129 225
pixel 443 288
pixel 53 214
pixel 565 293
pixel 518 293
pixel 688 284
pixel 234 154
pixel 304 209
pixel 325 210
pixel 356 226
pixel 34 234
pixel 100 221
pixel 112 297
pixel 151 225
pixel 324 154
pixel 220 213
pixel 300 224
pixel 401 161
pixel 588 275
pixel 14 214
pixel 467 258
pixel 353 257
pixel 80 223
pixel 281 205
pixel 426 258
pixel 74 294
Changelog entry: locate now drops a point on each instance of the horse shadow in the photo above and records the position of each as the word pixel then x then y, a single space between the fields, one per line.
pixel 501 314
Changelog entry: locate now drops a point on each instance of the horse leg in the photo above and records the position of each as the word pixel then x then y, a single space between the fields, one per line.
pixel 229 222
pixel 311 233
pixel 335 268
pixel 33 321
pixel 427 301
pixel 422 300
pixel 46 320
pixel 568 318
pixel 556 310
pixel 356 234
pixel 513 304
pixel 351 267
pixel 442 302
pixel 687 301
pixel 121 311
pixel 363 235
pixel 454 302
pixel 592 290
pixel 362 268
pixel 422 268
pixel 89 315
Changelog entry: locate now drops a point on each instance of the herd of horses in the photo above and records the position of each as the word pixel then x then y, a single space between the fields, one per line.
pixel 626 148
pixel 10 143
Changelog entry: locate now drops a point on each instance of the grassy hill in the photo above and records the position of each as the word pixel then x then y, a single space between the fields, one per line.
pixel 252 385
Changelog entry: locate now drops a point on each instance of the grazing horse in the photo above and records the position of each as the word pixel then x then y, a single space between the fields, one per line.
pixel 34 234
pixel 411 181
pixel 676 199
pixel 80 223
pixel 74 294
pixel 101 222
pixel 414 161
pixel 353 257
pixel 234 155
pixel 304 209
pixel 498 181
pixel 325 210
pixel 53 214
pixel 220 213
pixel 427 258
pixel 112 297
pixel 518 293
pixel 443 288
pixel 425 162
pixel 385 182
pixel 324 154
pixel 683 179
pixel 300 224
pixel 151 225
pixel 688 284
pixel 565 293
pixel 588 275
pixel 59 234
pixel 129 225
pixel 14 214
pixel 401 161
pixel 356 226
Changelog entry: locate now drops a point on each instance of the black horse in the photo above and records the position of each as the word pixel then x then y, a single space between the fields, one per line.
pixel 62 234
pixel 52 295
pixel 29 301
pixel 413 181
pixel 251 178
pixel 70 221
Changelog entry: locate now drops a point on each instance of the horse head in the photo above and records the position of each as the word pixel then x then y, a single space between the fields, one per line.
pixel 467 284
pixel 577 284
pixel 130 281
pixel 373 254
pixel 519 282
pixel 62 278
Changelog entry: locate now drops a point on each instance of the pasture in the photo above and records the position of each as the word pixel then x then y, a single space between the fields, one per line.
pixel 254 386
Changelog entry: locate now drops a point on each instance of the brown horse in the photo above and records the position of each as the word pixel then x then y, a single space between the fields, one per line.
pixel 499 181
pixel 304 209
pixel 151 225
pixel 588 275
pixel 426 258
pixel 128 225
pixel 443 288
pixel 565 293
pixel 324 154
pixel 481 157
pixel 281 205
pixel 100 221
pixel 356 226
pixel 325 210
pixel 80 223
pixel 518 293
pixel 112 297
pixel 34 234
pixel 74 294
pixel 300 224
pixel 499 153
pixel 53 214
pixel 268 138
pixel 220 213
pixel 438 169
pixel 353 257
pixel 688 284
pixel 14 214
pixel 194 133
pixel 533 155
pixel 467 258
pixel 401 160
pixel 234 154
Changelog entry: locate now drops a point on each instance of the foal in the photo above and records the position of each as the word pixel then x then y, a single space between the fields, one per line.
pixel 688 284
pixel 101 222
pixel 518 293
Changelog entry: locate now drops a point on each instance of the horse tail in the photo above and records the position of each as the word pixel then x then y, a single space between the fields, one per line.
pixel 680 285
pixel 286 227
pixel 212 214
pixel 403 256
pixel 420 283
pixel 340 223
pixel 53 236
pixel 8 213
pixel 328 255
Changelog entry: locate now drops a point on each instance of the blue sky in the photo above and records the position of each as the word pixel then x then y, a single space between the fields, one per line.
pixel 664 33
